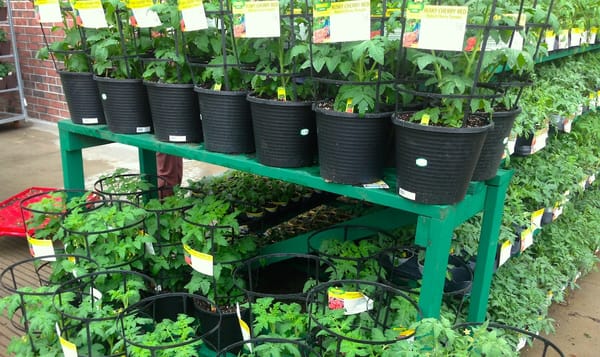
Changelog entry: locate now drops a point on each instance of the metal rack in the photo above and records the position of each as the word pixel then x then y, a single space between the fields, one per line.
pixel 5 116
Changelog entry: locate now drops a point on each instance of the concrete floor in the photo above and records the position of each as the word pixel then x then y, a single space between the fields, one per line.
pixel 30 156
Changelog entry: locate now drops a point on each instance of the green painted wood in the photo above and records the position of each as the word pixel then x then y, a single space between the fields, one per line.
pixel 308 176
pixel 488 245
pixel 554 55
pixel 435 235
pixel 435 223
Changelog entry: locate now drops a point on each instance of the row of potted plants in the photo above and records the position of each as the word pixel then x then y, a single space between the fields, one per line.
pixel 355 79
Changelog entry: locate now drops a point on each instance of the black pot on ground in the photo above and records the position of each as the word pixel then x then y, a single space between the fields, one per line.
pixel 351 148
pixel 494 144
pixel 83 98
pixel 125 104
pixel 285 133
pixel 434 165
pixel 175 112
pixel 226 121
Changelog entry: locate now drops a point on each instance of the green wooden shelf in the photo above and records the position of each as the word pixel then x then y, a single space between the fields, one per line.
pixel 435 223
pixel 556 54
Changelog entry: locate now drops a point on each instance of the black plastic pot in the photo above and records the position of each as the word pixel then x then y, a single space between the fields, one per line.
pixel 285 133
pixel 125 104
pixel 351 148
pixel 175 112
pixel 494 144
pixel 434 165
pixel 229 331
pixel 83 98
pixel 226 121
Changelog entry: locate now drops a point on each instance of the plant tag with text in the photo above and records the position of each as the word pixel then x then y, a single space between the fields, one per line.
pixel 200 262
pixel 217 86
pixel 341 21
pixel 539 140
pixel 255 19
pixel 193 17
pixel 353 302
pixel 68 348
pixel 245 329
pixel 526 238
pixel 144 16
pixel 436 27
pixel 41 247
pixel 378 184
pixel 281 95
pixel 91 13
pixel 48 11
pixel 349 106
pixel 407 194
pixel 536 218
pixel 425 119
pixel 505 249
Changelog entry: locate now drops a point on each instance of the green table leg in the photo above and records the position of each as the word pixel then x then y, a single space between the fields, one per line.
pixel 435 235
pixel 72 163
pixel 488 245
pixel 147 160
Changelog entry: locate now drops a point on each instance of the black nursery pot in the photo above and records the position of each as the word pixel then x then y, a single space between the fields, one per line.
pixel 285 133
pixel 434 165
pixel 175 112
pixel 226 121
pixel 125 104
pixel 494 144
pixel 83 98
pixel 229 330
pixel 351 148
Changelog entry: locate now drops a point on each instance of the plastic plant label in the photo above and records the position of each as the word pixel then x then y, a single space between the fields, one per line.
pixel 96 295
pixel 436 28
pixel 591 179
pixel 557 211
pixel 91 13
pixel 304 131
pixel 341 21
pixel 353 302
pixel 48 11
pixel 349 106
pixel 526 238
pixel 281 96
pixel 89 120
pixel 563 39
pixel 378 184
pixel 200 262
pixel 536 218
pixel 567 124
pixel 255 19
pixel 425 119
pixel 405 332
pixel 178 138
pixel 193 16
pixel 217 86
pixel 521 344
pixel 577 276
pixel 539 140
pixel 150 248
pixel 41 247
pixel 516 40
pixel 504 252
pixel 512 142
pixel 583 184
pixel 143 129
pixel 68 348
pixel 243 327
pixel 407 194
pixel 143 15
pixel 421 162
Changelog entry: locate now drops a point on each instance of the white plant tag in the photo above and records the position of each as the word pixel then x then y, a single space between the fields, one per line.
pixel 504 252
pixel 200 262
pixel 353 302
pixel 41 247
pixel 243 327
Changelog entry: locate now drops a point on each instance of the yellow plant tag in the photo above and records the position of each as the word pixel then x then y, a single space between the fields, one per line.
pixel 217 86
pixel 281 95
pixel 349 106
pixel 425 119
pixel 200 262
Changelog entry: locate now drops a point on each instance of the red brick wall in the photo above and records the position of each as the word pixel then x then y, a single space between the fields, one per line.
pixel 42 86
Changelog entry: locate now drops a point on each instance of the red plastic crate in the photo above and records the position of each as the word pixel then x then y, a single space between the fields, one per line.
pixel 11 218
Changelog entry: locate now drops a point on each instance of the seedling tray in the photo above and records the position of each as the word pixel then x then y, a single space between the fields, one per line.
pixel 11 218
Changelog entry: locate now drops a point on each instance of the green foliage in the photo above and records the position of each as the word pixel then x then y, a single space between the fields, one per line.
pixel 278 319
pixel 145 332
